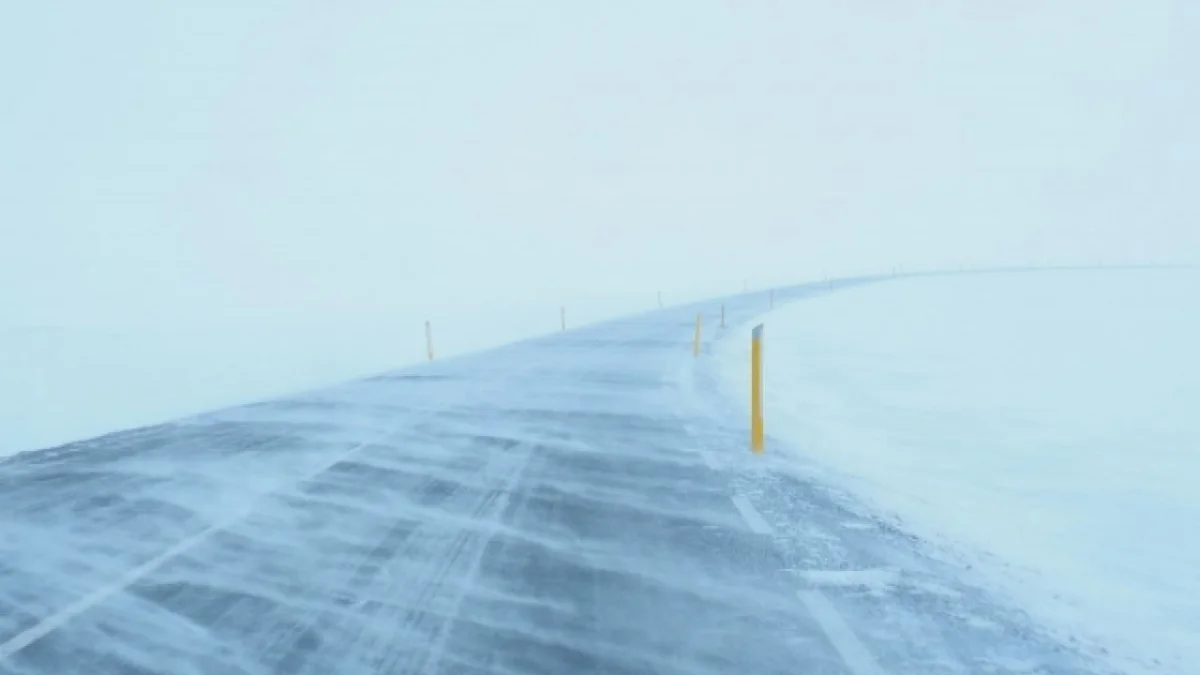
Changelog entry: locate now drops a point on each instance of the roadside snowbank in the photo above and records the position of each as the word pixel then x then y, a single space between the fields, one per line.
pixel 1043 426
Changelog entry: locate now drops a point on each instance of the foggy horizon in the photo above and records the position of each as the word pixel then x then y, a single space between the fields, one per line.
pixel 296 159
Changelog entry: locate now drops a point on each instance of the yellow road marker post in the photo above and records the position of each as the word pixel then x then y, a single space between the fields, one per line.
pixel 756 390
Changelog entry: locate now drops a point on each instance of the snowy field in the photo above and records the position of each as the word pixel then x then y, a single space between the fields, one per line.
pixel 62 383
pixel 1039 427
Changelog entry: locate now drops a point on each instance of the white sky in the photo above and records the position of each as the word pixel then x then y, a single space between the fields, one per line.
pixel 222 158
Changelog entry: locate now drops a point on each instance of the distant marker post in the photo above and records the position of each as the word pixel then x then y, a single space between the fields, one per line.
pixel 429 340
pixel 696 337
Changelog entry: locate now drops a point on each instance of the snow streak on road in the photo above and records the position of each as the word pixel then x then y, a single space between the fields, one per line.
pixel 578 503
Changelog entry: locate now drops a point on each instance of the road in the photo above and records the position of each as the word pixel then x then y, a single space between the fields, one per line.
pixel 579 503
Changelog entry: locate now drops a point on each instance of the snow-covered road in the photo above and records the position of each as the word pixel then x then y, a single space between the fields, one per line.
pixel 577 503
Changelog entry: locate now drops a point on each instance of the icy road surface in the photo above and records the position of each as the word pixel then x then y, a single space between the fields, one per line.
pixel 573 504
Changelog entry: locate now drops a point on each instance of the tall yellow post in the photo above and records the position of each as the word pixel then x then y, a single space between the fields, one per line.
pixel 756 390
pixel 696 337
pixel 429 340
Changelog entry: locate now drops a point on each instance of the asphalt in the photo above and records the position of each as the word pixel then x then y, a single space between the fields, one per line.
pixel 578 503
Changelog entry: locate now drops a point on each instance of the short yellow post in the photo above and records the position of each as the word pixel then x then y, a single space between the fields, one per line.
pixel 756 390
pixel 696 338
pixel 429 340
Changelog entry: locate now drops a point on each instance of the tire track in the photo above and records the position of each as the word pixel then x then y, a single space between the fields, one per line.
pixel 43 626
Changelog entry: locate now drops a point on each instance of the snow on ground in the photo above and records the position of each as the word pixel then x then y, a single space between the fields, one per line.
pixel 1041 427
pixel 61 383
